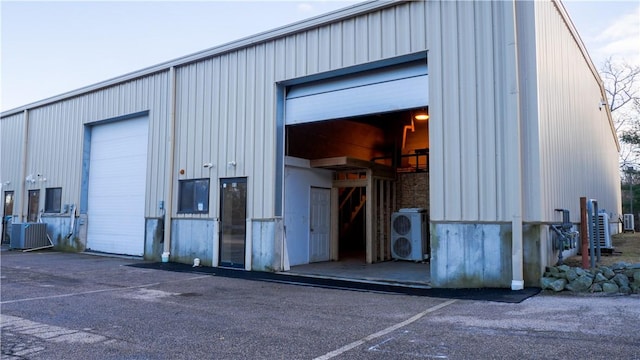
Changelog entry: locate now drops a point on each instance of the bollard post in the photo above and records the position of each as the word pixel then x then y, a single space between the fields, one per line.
pixel 584 238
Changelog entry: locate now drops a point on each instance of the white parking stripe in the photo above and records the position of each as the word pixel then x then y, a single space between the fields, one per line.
pixel 46 332
pixel 380 333
pixel 98 291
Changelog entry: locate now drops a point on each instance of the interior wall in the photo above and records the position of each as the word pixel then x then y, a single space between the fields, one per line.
pixel 336 138
pixel 298 180
pixel 413 190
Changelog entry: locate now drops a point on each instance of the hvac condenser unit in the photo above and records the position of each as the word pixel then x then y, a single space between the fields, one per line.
pixel 604 236
pixel 29 236
pixel 409 240
pixel 628 224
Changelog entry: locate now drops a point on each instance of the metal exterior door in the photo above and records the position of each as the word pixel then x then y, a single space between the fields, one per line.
pixel 117 187
pixel 233 221
pixel 7 216
pixel 33 206
pixel 319 224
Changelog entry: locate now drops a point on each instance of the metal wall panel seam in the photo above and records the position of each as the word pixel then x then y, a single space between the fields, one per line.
pixel 170 158
pixel 21 198
pixel 374 23
pixel 487 117
pixel 336 46
pixel 468 113
pixel 403 27
pixel 436 124
pixel 451 112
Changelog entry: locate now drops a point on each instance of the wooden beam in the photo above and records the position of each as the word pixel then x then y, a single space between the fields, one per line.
pixel 380 219
pixel 350 183
pixel 335 224
pixel 369 220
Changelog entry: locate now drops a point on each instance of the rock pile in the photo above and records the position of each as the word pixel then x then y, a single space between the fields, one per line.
pixel 620 277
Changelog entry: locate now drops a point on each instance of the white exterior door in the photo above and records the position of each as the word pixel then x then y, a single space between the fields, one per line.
pixel 319 224
pixel 117 187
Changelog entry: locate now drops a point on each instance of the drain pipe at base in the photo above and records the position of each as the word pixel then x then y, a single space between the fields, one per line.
pixel 22 198
pixel 513 159
pixel 168 208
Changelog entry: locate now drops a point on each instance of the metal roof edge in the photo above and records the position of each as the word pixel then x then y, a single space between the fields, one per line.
pixel 302 25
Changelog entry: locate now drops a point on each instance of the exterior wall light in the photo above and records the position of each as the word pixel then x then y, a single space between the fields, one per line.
pixel 422 116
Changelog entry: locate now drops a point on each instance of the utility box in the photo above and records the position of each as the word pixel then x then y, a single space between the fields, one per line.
pixel 29 236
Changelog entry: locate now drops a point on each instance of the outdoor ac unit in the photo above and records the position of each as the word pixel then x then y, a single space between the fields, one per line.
pixel 409 239
pixel 628 223
pixel 604 236
pixel 29 236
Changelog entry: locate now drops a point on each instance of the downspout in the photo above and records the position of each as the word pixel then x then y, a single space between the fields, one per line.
pixel 23 169
pixel 168 208
pixel 514 159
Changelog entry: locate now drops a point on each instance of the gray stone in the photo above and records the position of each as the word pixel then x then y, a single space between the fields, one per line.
pixel 629 273
pixel 580 284
pixel 621 280
pixel 558 285
pixel 581 271
pixel 564 268
pixel 619 266
pixel 635 288
pixel 545 282
pixel 608 272
pixel 596 288
pixel 610 287
pixel 554 271
pixel 600 278
pixel 634 266
pixel 636 277
pixel 625 290
pixel 571 275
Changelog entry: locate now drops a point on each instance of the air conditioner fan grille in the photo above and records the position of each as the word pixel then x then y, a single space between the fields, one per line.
pixel 402 247
pixel 402 225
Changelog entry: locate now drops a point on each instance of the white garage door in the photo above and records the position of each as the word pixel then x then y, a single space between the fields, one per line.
pixel 393 88
pixel 117 184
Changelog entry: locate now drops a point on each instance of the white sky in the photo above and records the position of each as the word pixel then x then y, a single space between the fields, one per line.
pixel 48 48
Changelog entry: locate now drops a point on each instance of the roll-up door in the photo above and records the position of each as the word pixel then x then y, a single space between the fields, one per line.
pixel 117 184
pixel 393 88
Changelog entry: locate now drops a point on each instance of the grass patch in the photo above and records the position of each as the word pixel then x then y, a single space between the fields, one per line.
pixel 626 248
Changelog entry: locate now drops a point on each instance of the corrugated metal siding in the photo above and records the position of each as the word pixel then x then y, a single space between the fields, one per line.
pixel 578 153
pixel 467 88
pixel 56 136
pixel 225 108
pixel 12 132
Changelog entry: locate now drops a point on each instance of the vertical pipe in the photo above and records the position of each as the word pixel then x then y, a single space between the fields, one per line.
pixel 22 198
pixel 592 234
pixel 513 159
pixel 168 212
pixel 597 227
pixel 584 238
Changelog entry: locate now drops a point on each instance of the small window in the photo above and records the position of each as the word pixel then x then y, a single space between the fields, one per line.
pixel 52 200
pixel 194 196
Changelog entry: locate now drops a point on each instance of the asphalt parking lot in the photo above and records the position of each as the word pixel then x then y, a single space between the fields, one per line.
pixel 77 306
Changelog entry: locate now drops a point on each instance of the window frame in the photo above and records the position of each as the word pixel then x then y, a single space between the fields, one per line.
pixel 189 205
pixel 53 194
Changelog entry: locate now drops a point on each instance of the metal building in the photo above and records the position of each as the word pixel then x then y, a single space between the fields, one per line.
pixel 301 144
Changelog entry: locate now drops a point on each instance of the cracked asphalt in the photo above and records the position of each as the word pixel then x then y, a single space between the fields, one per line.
pixel 77 306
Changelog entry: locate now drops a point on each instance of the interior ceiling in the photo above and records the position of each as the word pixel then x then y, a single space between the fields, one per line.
pixel 385 121
pixel 376 136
